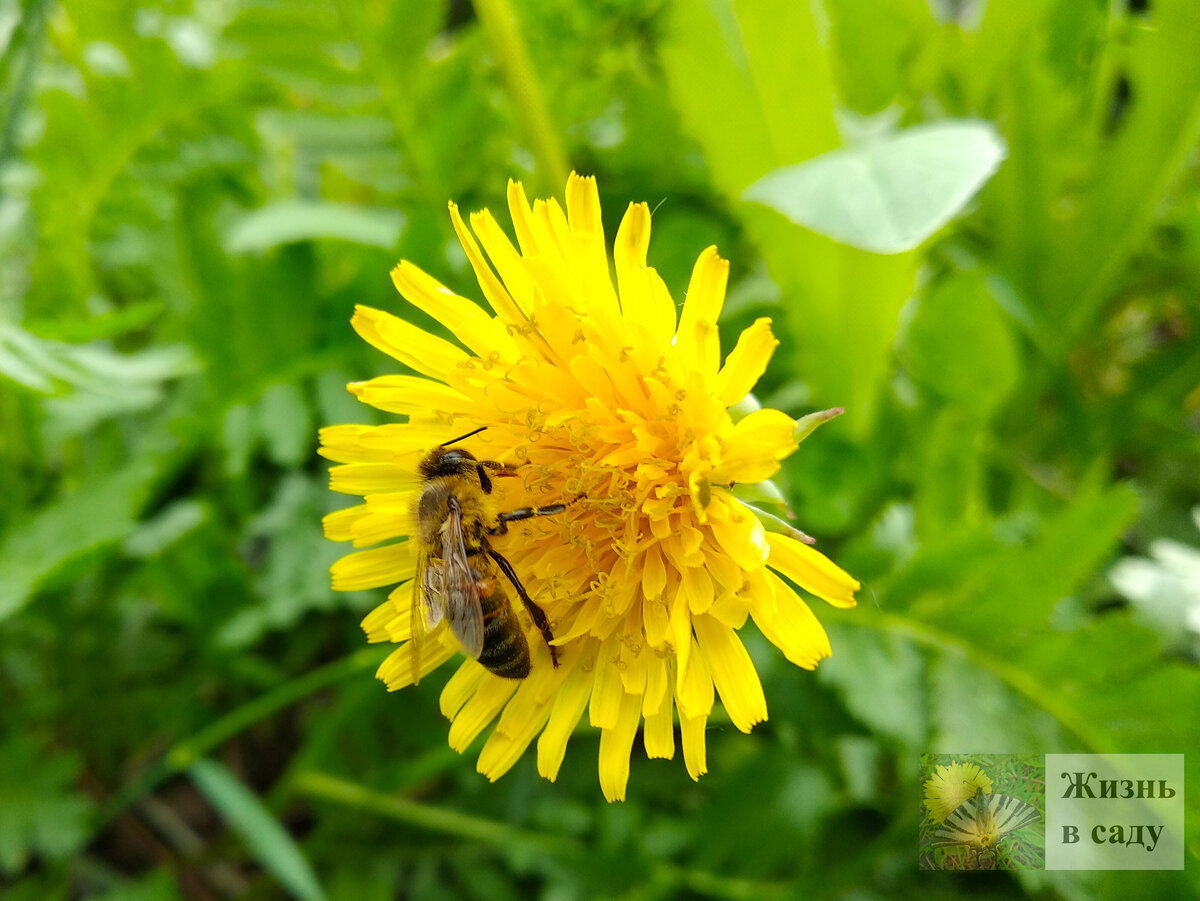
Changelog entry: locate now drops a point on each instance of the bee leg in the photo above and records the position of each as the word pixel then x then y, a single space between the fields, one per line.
pixel 536 613
pixel 503 519
pixel 497 469
pixel 517 515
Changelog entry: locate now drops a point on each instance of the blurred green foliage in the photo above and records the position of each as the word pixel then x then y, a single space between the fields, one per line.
pixel 193 196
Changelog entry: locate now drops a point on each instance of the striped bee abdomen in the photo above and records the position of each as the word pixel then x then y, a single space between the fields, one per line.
pixel 505 650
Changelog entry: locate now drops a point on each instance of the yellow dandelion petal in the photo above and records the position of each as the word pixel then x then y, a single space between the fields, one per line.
pixel 697 337
pixel 600 422
pixel 632 667
pixel 468 321
pixel 654 574
pixel 680 632
pixel 398 669
pixel 524 223
pixel 694 694
pixel 740 535
pixel 616 743
pixel 656 621
pixel 410 394
pixel 733 673
pixel 344 444
pixel 656 696
pixel 587 232
pixel 507 261
pixel 645 299
pixel 497 296
pixel 384 622
pixel 480 709
pixel 500 752
pixel 374 568
pixel 746 363
pixel 698 586
pixel 565 711
pixel 811 570
pixel 364 478
pixel 414 347
pixel 951 786
pixel 732 610
pixel 400 445
pixel 341 524
pixel 756 445
pixel 606 693
pixel 695 754
pixel 523 718
pixel 461 687
pixel 365 525
pixel 659 734
pixel 789 624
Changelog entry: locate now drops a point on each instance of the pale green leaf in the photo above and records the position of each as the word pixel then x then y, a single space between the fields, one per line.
pixel 888 194
pixel 287 222
pixel 263 834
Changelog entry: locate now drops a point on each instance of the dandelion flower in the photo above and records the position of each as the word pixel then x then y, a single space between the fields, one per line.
pixel 950 786
pixel 600 393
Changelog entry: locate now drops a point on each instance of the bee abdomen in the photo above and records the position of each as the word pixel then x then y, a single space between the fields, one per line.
pixel 505 650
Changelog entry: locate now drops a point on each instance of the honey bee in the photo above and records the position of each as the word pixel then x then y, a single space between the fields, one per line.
pixel 458 571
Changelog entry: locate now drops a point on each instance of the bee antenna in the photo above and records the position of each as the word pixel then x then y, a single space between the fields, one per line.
pixel 462 437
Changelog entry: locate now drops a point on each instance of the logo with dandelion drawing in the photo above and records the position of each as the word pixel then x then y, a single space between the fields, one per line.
pixel 979 813
pixel 577 496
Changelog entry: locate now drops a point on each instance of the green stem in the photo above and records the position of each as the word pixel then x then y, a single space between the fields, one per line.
pixel 500 23
pixel 425 816
pixel 188 751
pixel 492 832
pixel 714 885
pixel 184 753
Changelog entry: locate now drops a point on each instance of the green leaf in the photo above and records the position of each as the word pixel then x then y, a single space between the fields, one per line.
pixel 959 344
pixel 93 381
pixel 285 424
pixel 294 577
pixel 890 193
pixel 263 834
pixel 42 814
pixel 736 70
pixel 872 38
pixel 153 536
pixel 101 512
pixel 881 680
pixel 767 68
pixel 24 360
pixel 1018 586
pixel 972 708
pixel 289 221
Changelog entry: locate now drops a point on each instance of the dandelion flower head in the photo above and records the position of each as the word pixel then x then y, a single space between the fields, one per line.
pixel 600 395
pixel 951 786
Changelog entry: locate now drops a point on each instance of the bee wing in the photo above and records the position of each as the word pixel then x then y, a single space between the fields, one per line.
pixel 428 593
pixel 460 594
pixel 424 612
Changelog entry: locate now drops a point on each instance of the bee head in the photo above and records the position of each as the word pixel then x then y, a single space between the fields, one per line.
pixel 449 461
